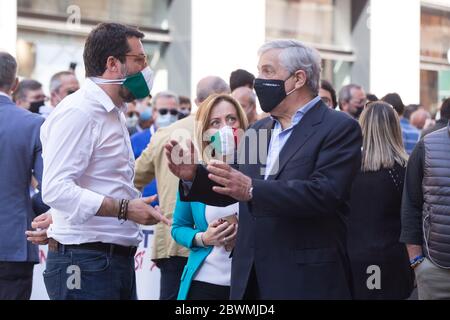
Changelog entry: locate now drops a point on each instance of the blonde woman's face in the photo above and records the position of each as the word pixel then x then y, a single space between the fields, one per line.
pixel 223 114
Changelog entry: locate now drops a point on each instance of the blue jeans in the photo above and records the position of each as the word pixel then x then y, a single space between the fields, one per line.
pixel 80 274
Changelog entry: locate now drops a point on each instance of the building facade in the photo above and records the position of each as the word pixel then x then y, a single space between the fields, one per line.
pixel 384 45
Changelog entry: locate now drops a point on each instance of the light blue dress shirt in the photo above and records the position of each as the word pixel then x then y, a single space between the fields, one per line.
pixel 280 137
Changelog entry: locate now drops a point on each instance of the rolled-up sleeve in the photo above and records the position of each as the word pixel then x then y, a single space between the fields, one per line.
pixel 68 144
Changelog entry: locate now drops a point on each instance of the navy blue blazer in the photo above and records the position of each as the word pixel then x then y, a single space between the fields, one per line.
pixel 293 232
pixel 20 158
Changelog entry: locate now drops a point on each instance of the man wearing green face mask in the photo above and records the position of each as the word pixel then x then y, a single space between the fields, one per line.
pixel 89 170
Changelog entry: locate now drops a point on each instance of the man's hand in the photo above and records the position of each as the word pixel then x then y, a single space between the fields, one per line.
pixel 140 211
pixel 219 233
pixel 235 184
pixel 41 223
pixel 182 163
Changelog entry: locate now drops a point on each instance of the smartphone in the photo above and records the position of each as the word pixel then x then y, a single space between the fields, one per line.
pixel 232 219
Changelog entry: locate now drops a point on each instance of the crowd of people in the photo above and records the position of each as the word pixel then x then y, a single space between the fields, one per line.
pixel 324 195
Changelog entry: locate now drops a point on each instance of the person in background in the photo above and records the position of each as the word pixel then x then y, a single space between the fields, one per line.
pixel 410 109
pixel 443 120
pixel 185 107
pixel 426 215
pixel 421 119
pixel 201 227
pixel 371 97
pixel 20 158
pixel 328 94
pixel 247 99
pixel 29 95
pixel 141 140
pixel 241 78
pixel 374 222
pixel 352 99
pixel 165 109
pixel 62 84
pixel 170 257
pixel 410 134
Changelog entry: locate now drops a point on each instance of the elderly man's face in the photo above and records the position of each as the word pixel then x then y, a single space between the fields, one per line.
pixel 357 102
pixel 269 66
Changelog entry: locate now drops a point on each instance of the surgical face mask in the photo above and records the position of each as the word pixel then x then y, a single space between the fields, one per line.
pixel 132 121
pixel 165 120
pixel 271 93
pixel 225 141
pixel 146 114
pixel 35 106
pixel 139 84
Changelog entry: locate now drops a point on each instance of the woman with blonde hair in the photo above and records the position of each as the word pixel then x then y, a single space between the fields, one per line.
pixel 380 263
pixel 210 231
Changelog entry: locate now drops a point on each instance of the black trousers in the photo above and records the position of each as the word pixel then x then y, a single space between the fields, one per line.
pixel 207 291
pixel 171 272
pixel 16 280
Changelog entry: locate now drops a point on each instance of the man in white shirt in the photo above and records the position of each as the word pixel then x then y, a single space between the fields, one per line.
pixel 89 172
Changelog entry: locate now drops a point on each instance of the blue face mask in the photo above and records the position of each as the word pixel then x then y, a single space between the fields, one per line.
pixel 270 93
pixel 146 114
pixel 165 120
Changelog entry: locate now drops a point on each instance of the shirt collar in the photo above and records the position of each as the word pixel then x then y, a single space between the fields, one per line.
pixel 302 111
pixel 4 95
pixel 102 97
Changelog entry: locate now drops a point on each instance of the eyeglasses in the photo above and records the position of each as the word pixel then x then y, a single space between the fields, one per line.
pixel 142 58
pixel 165 111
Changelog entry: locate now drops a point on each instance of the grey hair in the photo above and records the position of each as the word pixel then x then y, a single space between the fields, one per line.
pixel 214 85
pixel 24 87
pixel 345 95
pixel 166 94
pixel 297 56
pixel 55 81
pixel 8 70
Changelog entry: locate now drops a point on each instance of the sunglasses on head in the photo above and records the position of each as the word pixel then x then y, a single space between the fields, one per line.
pixel 165 111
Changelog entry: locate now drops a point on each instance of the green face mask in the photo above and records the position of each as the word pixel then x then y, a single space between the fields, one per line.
pixel 139 84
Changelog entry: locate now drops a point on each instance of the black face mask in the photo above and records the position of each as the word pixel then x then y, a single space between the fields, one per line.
pixel 358 112
pixel 270 93
pixel 34 106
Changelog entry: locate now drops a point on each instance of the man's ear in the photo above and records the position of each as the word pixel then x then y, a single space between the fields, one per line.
pixel 300 79
pixel 15 86
pixel 112 65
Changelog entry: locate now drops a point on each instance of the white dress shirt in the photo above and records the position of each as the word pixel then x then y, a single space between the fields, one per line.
pixel 87 156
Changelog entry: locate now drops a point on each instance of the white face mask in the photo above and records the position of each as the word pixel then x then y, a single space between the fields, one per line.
pixel 165 120
pixel 139 84
pixel 132 121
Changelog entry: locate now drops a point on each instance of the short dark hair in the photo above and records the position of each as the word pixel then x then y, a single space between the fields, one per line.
pixel 445 109
pixel 241 78
pixel 410 109
pixel 8 70
pixel 326 85
pixel 185 100
pixel 372 97
pixel 25 86
pixel 396 101
pixel 104 41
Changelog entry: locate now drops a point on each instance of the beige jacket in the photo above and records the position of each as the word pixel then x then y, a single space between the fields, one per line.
pixel 153 164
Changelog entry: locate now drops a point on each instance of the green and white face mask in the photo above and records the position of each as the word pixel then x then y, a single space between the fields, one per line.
pixel 139 84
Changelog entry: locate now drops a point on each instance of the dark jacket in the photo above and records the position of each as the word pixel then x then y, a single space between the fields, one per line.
pixel 374 227
pixel 20 158
pixel 293 231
